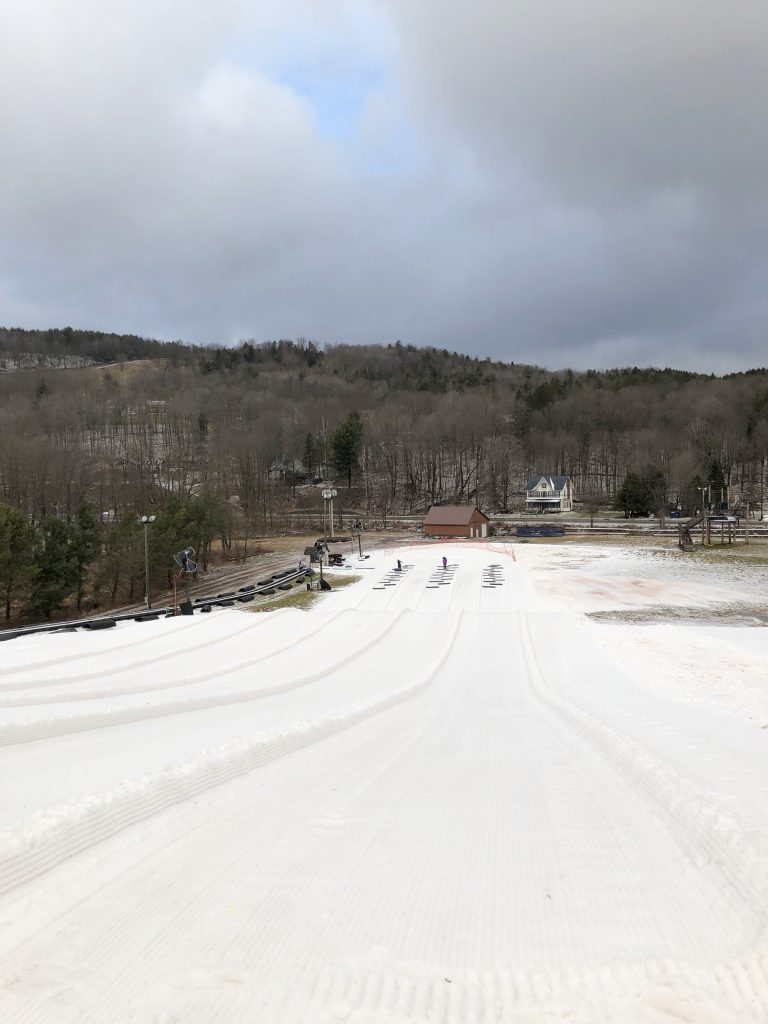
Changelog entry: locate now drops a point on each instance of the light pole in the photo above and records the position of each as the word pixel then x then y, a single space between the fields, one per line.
pixel 146 520
pixel 328 495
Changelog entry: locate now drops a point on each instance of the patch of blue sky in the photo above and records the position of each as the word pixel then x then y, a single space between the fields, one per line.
pixel 338 101
pixel 342 66
pixel 333 57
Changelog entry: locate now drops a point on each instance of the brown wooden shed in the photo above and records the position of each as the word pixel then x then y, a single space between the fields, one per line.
pixel 455 521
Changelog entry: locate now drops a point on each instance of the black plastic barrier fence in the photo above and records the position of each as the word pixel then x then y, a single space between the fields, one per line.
pixel 283 580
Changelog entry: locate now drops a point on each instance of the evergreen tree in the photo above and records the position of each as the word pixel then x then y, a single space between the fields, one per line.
pixel 17 555
pixel 632 496
pixel 641 495
pixel 195 523
pixel 207 520
pixel 656 491
pixel 56 574
pixel 308 455
pixel 86 544
pixel 346 445
pixel 123 561
pixel 716 480
pixel 694 495
pixel 173 530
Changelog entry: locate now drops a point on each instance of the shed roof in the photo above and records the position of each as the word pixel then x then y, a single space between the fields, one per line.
pixel 452 515
pixel 557 483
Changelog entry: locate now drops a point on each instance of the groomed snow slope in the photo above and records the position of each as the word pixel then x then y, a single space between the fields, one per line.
pixel 438 796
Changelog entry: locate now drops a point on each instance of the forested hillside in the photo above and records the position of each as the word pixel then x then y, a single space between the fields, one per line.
pixel 220 441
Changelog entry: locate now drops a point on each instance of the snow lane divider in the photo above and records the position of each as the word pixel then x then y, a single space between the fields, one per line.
pixel 137 615
pixel 39 843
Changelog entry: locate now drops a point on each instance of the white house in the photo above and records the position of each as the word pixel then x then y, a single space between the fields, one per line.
pixel 549 494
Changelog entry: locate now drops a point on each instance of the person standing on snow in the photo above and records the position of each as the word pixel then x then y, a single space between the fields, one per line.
pixel 445 562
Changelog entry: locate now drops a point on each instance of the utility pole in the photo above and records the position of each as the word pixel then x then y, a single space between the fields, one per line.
pixel 704 521
pixel 328 495
pixel 146 520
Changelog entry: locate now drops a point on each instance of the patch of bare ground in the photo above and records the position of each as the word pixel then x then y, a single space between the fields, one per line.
pixel 754 553
pixel 301 597
pixel 123 371
pixel 288 544
pixel 731 614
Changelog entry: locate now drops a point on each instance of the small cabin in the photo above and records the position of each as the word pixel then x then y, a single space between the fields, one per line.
pixel 455 521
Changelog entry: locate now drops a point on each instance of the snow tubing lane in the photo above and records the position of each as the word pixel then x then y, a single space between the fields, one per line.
pixel 128 666
pixel 28 700
pixel 66 724
pixel 57 833
pixel 693 816
pixel 83 655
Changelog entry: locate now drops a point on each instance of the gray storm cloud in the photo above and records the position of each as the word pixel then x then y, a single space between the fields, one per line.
pixel 569 183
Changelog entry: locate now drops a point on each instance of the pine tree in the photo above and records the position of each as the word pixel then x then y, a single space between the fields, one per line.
pixel 308 455
pixel 86 544
pixel 346 445
pixel 632 496
pixel 17 555
pixel 56 575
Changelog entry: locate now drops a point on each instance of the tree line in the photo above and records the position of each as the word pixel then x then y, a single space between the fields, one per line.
pixel 222 444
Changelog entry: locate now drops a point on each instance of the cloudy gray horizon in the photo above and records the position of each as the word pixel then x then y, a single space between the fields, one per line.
pixel 572 183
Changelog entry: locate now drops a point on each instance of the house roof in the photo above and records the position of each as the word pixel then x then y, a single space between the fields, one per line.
pixel 557 483
pixel 452 515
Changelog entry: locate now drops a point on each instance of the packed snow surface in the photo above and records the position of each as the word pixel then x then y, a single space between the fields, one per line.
pixel 440 795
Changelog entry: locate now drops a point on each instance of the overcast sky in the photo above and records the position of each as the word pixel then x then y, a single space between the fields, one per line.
pixel 569 182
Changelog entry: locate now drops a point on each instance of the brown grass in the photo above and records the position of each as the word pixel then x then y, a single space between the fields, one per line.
pixel 124 371
pixel 304 598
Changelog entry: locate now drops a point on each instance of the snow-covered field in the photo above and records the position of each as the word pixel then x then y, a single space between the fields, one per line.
pixel 438 796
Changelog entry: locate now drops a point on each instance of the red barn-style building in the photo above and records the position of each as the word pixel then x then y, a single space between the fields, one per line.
pixel 455 521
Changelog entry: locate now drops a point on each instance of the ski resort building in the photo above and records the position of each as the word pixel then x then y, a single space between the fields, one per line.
pixel 455 521
pixel 549 494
